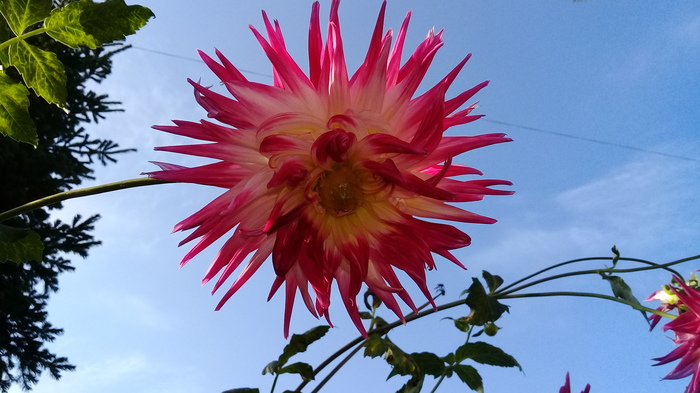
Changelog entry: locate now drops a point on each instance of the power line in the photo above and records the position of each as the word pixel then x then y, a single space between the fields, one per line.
pixel 522 127
pixel 583 138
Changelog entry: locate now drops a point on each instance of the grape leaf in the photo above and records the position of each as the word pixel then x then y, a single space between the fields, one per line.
pixel 41 70
pixel 485 353
pixel 15 121
pixel 21 14
pixel 93 24
pixel 470 376
pixel 19 245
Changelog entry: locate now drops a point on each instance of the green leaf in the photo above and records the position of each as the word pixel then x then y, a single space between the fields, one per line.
pixel 21 14
pixel 375 346
pixel 470 376
pixel 242 390
pixel 303 369
pixel 484 353
pixel 413 385
pixel 429 363
pixel 20 245
pixel 15 121
pixel 41 70
pixel 493 282
pixel 271 368
pixel 299 342
pixel 484 308
pixel 93 24
pixel 402 363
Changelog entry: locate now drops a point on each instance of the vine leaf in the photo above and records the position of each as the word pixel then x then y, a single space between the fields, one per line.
pixel 303 369
pixel 41 70
pixel 21 14
pixel 15 121
pixel 485 353
pixel 484 308
pixel 93 24
pixel 19 245
pixel 470 376
pixel 300 342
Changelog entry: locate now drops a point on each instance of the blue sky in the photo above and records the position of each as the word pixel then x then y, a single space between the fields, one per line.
pixel 623 72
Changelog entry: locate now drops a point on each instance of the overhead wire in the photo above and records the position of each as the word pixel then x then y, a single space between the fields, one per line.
pixel 522 127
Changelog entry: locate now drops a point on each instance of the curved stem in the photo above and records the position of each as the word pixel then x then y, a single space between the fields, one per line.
pixel 652 264
pixel 504 291
pixel 587 294
pixel 442 377
pixel 80 192
pixel 380 330
pixel 336 368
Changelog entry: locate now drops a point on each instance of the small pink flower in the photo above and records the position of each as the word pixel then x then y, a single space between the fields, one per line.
pixel 668 299
pixel 567 386
pixel 686 328
pixel 327 172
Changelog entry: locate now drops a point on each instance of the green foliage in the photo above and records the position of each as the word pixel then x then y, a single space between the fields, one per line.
pixel 623 291
pixel 485 353
pixel 41 70
pixel 470 376
pixel 297 344
pixel 19 245
pixel 80 23
pixel 94 24
pixel 14 116
pixel 20 14
pixel 62 159
pixel 300 342
pixel 484 307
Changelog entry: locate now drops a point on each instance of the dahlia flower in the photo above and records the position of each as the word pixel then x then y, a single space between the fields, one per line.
pixel 327 172
pixel 567 386
pixel 686 328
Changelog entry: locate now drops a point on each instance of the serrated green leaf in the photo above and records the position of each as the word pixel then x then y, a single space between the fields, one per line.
pixel 402 363
pixel 21 14
pixel 414 385
pixel 20 245
pixel 429 363
pixel 93 24
pixel 484 308
pixel 242 390
pixel 300 342
pixel 375 346
pixel 41 70
pixel 303 369
pixel 485 353
pixel 15 121
pixel 271 368
pixel 470 376
pixel 493 282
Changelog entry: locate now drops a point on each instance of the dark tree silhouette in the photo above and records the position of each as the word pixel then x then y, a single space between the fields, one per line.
pixel 62 161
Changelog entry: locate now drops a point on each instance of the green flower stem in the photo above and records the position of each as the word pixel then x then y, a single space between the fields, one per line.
pixel 505 291
pixel 21 37
pixel 274 383
pixel 442 377
pixel 652 266
pixel 80 192
pixel 587 294
pixel 337 367
pixel 380 331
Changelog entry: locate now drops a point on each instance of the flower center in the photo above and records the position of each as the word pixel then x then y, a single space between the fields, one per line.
pixel 340 191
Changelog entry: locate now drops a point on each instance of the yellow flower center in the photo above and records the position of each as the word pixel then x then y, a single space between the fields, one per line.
pixel 340 190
